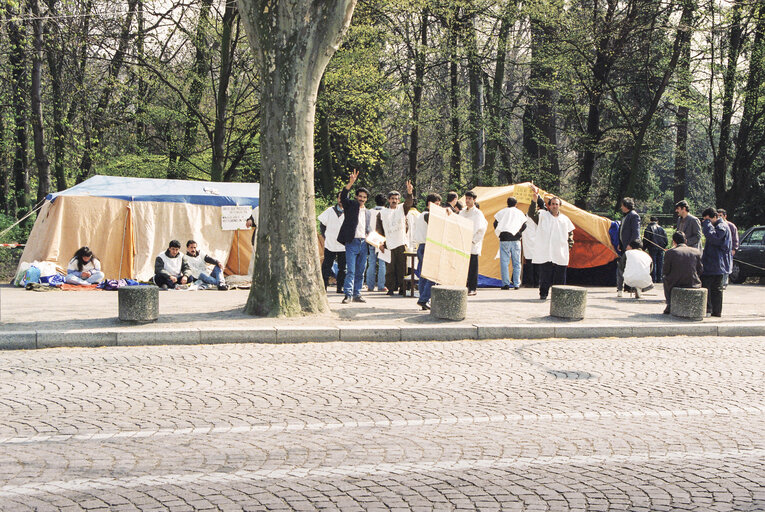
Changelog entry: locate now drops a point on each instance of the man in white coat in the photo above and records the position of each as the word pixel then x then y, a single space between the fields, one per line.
pixel 330 221
pixel 391 223
pixel 636 267
pixel 554 239
pixel 480 224
pixel 509 224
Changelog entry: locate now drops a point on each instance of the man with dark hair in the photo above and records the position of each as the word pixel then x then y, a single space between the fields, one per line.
pixel 198 262
pixel 452 201
pixel 420 238
pixel 171 268
pixel 682 267
pixel 733 241
pixel 375 266
pixel 636 268
pixel 689 225
pixel 330 222
pixel 476 216
pixel 391 223
pixel 353 233
pixel 716 259
pixel 553 241
pixel 656 243
pixel 509 224
pixel 629 230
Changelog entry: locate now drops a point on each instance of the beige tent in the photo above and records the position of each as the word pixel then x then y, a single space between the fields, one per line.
pixel 127 222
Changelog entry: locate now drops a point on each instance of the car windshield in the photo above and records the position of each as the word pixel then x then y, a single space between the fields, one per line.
pixel 755 237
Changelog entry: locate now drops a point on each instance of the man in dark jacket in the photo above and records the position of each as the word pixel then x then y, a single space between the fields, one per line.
pixel 716 258
pixel 629 230
pixel 352 235
pixel 688 224
pixel 171 268
pixel 733 241
pixel 656 243
pixel 682 267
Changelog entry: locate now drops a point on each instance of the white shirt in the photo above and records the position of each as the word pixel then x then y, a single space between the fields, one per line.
pixel 361 226
pixel 637 269
pixel 479 227
pixel 196 264
pixel 411 219
pixel 90 266
pixel 332 222
pixel 509 220
pixel 551 241
pixel 529 239
pixel 394 224
pixel 420 231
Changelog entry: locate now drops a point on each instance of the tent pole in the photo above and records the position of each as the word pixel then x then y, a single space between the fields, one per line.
pixel 124 232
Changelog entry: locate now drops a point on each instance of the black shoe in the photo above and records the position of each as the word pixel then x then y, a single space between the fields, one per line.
pixel 359 299
pixel 390 292
pixel 223 287
pixel 543 297
pixel 424 306
pixel 666 311
pixel 717 315
pixel 506 287
pixel 339 291
pixel 346 299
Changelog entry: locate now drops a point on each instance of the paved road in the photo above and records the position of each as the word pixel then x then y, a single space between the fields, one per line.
pixel 641 424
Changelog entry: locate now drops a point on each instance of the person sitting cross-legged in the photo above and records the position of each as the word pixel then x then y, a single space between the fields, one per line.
pixel 84 268
pixel 171 268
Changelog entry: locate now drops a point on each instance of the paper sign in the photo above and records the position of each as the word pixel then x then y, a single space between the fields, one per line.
pixel 234 217
pixel 375 239
pixel 447 248
pixel 523 193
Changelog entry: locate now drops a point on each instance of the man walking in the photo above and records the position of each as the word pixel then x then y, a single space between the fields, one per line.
pixel 629 230
pixel 353 233
pixel 733 241
pixel 375 265
pixel 682 267
pixel 509 224
pixel 476 216
pixel 420 238
pixel 688 225
pixel 553 241
pixel 392 225
pixel 716 259
pixel 656 243
pixel 330 222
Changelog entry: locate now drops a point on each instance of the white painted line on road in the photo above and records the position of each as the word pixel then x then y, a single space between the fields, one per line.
pixel 420 422
pixel 364 470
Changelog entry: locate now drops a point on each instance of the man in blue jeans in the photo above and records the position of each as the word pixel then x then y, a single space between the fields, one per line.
pixel 353 235
pixel 509 224
pixel 198 262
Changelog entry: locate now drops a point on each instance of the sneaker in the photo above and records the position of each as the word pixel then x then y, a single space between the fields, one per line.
pixel 471 293
pixel 506 287
pixel 619 293
pixel 384 290
pixel 359 299
pixel 346 299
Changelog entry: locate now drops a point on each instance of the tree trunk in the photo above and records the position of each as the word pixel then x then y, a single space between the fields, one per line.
pixel 475 86
pixel 54 58
pixel 17 60
pixel 729 87
pixel 140 109
pixel 326 161
pixel 221 104
pixel 455 162
pixel 41 157
pixel 294 41
pixel 419 79
pixel 681 145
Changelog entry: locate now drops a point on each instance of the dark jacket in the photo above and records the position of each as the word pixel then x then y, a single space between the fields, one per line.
pixel 629 230
pixel 682 267
pixel 351 208
pixel 716 257
pixel 656 238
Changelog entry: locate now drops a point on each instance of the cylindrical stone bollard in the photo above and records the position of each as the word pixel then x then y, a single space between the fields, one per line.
pixel 568 302
pixel 138 304
pixel 688 303
pixel 448 302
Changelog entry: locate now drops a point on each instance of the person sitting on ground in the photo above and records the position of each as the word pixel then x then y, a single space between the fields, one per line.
pixel 198 264
pixel 682 267
pixel 171 268
pixel 84 268
pixel 636 266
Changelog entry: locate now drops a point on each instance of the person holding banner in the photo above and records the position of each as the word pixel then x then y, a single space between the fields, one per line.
pixel 472 213
pixel 509 224
pixel 420 237
pixel 391 223
pixel 554 239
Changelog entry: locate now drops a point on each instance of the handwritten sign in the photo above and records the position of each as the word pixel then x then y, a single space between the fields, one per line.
pixel 234 217
pixel 447 249
pixel 523 193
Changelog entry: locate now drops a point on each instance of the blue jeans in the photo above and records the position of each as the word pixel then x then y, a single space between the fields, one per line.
pixel 214 278
pixel 76 278
pixel 355 260
pixel 375 270
pixel 658 265
pixel 424 285
pixel 510 251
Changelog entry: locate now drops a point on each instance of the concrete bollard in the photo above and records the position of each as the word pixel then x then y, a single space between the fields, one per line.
pixel 568 302
pixel 689 303
pixel 448 302
pixel 138 304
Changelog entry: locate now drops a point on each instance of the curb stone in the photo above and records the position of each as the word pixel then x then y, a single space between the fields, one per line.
pixel 370 333
pixel 238 335
pixel 306 334
pixel 498 332
pixel 20 340
pixel 158 337
pixel 78 338
pixel 439 333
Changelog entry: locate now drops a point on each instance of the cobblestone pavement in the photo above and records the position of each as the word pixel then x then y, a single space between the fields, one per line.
pixel 636 424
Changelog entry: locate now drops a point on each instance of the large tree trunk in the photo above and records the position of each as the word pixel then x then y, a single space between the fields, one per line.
pixel 419 79
pixel 455 162
pixel 475 87
pixel 54 56
pixel 17 60
pixel 221 105
pixel 41 157
pixel 681 145
pixel 294 40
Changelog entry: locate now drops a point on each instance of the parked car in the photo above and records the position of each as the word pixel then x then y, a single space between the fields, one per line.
pixel 749 260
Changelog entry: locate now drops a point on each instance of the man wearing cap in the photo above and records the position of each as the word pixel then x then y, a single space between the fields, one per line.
pixel 475 215
pixel 689 225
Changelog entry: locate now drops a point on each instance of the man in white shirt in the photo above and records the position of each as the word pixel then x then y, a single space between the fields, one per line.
pixel 509 224
pixel 480 224
pixel 198 262
pixel 636 267
pixel 554 239
pixel 330 221
pixel 419 237
pixel 375 265
pixel 392 225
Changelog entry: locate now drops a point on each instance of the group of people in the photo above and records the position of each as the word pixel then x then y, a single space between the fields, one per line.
pixel 543 235
pixel 173 269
